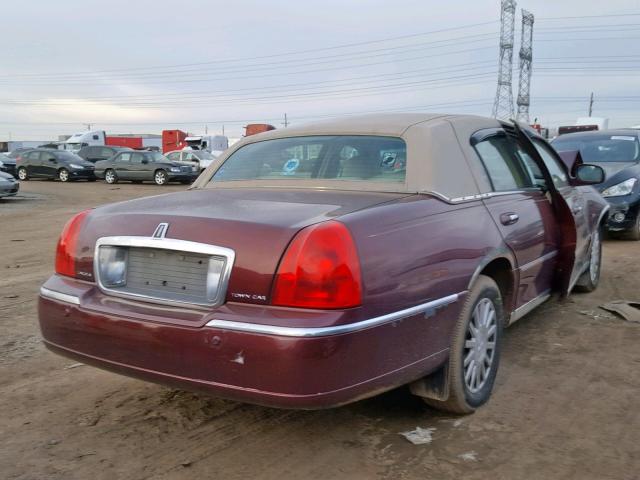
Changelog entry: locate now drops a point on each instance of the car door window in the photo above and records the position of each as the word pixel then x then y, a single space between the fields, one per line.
pixel 124 158
pixel 190 157
pixel 555 167
pixel 174 156
pixel 33 156
pixel 46 156
pixel 505 169
pixel 136 158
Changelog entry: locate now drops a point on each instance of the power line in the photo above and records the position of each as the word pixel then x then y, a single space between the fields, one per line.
pixel 297 52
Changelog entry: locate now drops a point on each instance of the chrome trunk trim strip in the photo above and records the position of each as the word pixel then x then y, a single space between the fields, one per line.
pixel 428 308
pixel 60 297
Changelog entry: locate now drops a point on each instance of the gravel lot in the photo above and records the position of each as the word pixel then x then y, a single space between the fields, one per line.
pixel 566 403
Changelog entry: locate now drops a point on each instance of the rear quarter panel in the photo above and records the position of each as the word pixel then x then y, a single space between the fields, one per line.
pixel 420 249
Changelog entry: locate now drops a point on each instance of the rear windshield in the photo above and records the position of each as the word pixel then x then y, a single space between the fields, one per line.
pixel 601 148
pixel 331 157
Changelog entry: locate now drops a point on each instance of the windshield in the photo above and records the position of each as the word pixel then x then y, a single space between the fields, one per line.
pixel 601 148
pixel 68 156
pixel 204 155
pixel 336 157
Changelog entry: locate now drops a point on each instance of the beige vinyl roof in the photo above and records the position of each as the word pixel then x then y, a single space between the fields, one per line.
pixel 440 158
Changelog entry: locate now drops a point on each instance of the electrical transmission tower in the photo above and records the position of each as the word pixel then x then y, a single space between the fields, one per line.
pixel 524 85
pixel 503 104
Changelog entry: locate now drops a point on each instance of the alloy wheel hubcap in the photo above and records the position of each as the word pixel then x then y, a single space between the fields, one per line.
pixel 594 267
pixel 64 176
pixel 160 178
pixel 109 177
pixel 22 174
pixel 479 345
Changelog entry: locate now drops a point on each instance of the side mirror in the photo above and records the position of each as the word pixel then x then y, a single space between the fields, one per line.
pixel 589 174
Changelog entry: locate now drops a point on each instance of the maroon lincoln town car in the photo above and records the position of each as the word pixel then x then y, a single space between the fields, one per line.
pixel 311 267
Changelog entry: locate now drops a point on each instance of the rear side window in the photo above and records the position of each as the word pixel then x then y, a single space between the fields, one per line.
pixel 33 155
pixel 124 158
pixel 506 171
pixel 136 158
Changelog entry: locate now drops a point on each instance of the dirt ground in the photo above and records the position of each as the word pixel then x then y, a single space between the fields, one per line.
pixel 566 403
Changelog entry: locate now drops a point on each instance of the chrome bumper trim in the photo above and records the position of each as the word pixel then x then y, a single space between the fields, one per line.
pixel 428 308
pixel 60 297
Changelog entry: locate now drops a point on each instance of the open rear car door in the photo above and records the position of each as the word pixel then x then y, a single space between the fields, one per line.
pixel 567 210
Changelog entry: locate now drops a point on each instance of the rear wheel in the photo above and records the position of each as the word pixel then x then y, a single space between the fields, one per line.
pixel 22 174
pixel 110 176
pixel 588 281
pixel 474 355
pixel 63 175
pixel 161 177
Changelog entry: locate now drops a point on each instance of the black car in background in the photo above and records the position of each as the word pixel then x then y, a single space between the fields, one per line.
pixel 7 164
pixel 94 153
pixel 140 166
pixel 56 164
pixel 618 153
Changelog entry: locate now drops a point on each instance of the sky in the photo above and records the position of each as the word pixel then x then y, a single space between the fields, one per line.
pixel 208 66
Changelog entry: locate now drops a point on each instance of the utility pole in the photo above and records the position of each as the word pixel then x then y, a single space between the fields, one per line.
pixel 286 122
pixel 206 129
pixel 591 104
pixel 88 125
pixel 223 129
pixel 526 55
pixel 503 104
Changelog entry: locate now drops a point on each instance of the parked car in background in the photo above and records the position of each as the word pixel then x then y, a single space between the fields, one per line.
pixel 200 158
pixel 7 164
pixel 144 166
pixel 16 153
pixel 9 186
pixel 56 164
pixel 321 264
pixel 618 153
pixel 95 153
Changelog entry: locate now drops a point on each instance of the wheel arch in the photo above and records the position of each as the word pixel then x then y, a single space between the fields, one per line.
pixel 499 267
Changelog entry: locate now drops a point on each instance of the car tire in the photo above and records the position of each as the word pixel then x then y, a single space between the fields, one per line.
pixel 110 176
pixel 63 175
pixel 588 281
pixel 476 342
pixel 634 233
pixel 160 177
pixel 22 174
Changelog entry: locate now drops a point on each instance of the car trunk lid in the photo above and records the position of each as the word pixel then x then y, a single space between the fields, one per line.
pixel 257 224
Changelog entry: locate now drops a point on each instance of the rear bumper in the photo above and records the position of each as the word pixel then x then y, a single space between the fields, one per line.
pixel 281 369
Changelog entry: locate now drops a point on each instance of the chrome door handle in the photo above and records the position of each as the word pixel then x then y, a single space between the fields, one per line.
pixel 509 218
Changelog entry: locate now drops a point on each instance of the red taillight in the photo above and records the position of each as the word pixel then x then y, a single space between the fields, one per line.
pixel 320 269
pixel 66 249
